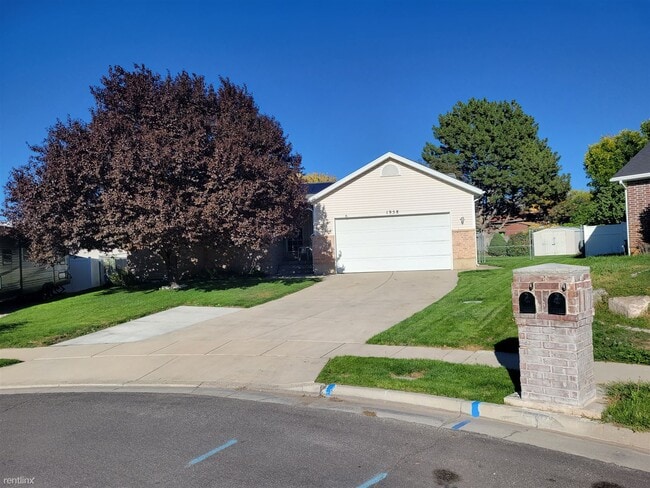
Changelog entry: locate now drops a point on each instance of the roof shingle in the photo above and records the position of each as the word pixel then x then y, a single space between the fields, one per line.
pixel 637 168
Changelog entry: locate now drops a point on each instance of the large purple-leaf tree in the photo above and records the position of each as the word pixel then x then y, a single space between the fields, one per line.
pixel 165 164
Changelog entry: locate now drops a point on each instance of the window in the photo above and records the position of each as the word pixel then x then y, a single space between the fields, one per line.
pixel 7 257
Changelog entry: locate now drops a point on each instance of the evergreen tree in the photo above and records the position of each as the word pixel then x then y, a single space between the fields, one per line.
pixel 495 146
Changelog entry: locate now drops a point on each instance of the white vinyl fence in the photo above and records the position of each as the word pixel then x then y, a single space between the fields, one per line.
pixel 85 273
pixel 605 239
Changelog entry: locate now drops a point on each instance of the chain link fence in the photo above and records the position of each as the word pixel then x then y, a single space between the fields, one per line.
pixel 499 245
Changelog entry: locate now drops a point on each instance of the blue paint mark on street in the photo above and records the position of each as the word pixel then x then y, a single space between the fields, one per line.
pixel 329 389
pixel 373 481
pixel 212 452
pixel 461 424
pixel 475 412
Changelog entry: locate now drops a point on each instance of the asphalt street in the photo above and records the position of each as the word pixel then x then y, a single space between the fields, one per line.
pixel 143 439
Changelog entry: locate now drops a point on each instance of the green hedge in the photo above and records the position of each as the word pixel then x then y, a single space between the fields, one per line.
pixel 519 244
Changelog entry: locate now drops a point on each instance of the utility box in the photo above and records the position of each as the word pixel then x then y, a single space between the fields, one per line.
pixel 553 309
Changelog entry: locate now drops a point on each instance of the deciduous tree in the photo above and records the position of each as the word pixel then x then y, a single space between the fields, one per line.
pixel 576 209
pixel 318 178
pixel 495 146
pixel 602 160
pixel 163 165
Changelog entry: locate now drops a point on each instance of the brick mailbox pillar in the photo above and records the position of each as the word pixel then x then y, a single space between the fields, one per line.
pixel 553 309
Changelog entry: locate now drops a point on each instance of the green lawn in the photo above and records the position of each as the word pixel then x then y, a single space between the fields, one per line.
pixel 471 382
pixel 477 314
pixel 8 362
pixel 72 316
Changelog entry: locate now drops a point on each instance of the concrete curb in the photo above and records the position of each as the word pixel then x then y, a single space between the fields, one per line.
pixel 550 421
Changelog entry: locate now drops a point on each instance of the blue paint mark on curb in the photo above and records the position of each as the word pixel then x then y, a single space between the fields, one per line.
pixel 373 481
pixel 329 389
pixel 475 412
pixel 212 452
pixel 461 424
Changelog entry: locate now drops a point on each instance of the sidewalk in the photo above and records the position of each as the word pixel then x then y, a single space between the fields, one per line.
pixel 167 359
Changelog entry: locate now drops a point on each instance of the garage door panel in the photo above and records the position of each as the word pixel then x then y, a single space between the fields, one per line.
pixel 428 248
pixel 396 236
pixel 394 243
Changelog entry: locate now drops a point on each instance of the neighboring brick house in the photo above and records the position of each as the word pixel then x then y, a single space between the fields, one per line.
pixel 635 177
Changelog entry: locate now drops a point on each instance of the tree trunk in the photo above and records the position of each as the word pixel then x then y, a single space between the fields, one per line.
pixel 171 264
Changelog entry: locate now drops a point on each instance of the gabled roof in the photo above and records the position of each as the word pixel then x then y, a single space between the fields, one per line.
pixel 638 168
pixel 406 162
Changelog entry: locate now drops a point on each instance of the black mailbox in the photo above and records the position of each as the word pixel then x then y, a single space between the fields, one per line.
pixel 527 303
pixel 557 304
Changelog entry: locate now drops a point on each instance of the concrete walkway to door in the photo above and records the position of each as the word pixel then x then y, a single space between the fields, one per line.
pixel 285 342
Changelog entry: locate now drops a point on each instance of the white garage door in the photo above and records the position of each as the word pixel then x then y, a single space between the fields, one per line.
pixel 394 243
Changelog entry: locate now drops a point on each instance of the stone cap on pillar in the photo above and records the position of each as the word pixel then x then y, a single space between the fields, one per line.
pixel 553 269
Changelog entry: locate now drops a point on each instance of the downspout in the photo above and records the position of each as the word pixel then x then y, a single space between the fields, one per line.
pixel 476 240
pixel 627 220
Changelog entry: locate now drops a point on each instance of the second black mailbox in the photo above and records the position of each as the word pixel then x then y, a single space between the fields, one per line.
pixel 556 304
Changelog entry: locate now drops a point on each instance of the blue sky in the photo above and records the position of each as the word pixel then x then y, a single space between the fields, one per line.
pixel 348 80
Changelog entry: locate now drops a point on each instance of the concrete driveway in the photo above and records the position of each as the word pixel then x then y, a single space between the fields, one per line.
pixel 285 342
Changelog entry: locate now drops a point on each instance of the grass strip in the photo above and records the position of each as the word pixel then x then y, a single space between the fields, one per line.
pixel 628 405
pixel 72 316
pixel 469 382
pixel 8 362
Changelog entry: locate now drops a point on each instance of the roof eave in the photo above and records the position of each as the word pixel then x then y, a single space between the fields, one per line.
pixel 640 176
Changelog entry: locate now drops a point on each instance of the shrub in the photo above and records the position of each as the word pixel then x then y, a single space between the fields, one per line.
pixel 519 244
pixel 497 245
pixel 122 278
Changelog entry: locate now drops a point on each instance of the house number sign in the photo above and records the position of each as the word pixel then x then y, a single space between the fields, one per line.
pixel 392 212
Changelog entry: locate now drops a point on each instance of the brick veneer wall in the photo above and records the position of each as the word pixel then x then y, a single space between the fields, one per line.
pixel 638 203
pixel 464 248
pixel 323 254
pixel 556 351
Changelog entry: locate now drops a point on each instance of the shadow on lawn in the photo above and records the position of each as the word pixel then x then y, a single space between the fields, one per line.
pixel 225 284
pixel 208 285
pixel 30 299
pixel 8 326
pixel 507 353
